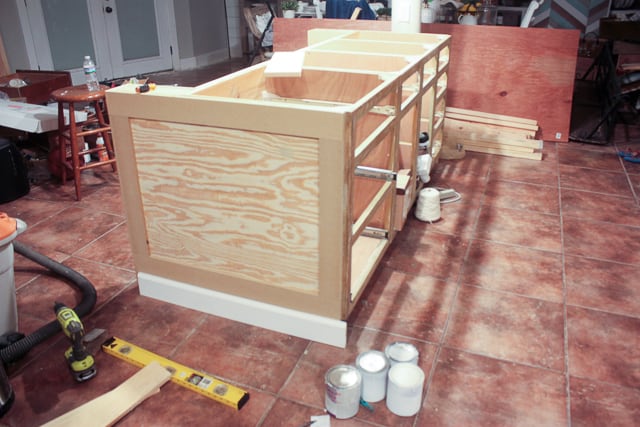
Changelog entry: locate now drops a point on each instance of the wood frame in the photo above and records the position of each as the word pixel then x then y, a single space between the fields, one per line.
pixel 523 72
pixel 251 196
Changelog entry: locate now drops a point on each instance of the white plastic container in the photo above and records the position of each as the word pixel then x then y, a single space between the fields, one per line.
pixel 8 308
pixel 404 389
pixel 374 367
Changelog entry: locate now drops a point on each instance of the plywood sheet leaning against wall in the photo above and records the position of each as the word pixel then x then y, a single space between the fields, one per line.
pixel 492 133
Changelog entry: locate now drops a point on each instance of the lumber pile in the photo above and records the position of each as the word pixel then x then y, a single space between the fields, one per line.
pixel 492 133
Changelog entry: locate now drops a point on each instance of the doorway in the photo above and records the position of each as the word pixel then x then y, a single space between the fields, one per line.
pixel 124 37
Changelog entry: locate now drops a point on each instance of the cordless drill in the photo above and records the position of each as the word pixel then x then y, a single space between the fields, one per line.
pixel 80 361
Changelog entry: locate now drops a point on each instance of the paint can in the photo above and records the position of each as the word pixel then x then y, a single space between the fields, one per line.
pixel 373 366
pixel 401 352
pixel 404 389
pixel 343 388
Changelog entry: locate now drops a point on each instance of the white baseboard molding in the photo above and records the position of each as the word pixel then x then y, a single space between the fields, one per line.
pixel 292 322
pixel 204 59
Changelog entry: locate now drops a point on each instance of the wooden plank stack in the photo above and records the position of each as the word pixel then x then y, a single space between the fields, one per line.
pixel 492 133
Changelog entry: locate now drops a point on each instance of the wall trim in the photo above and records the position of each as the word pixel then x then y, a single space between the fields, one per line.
pixel 291 322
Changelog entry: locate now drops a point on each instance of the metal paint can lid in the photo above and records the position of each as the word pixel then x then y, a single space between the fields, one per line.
pixel 399 352
pixel 343 376
pixel 372 361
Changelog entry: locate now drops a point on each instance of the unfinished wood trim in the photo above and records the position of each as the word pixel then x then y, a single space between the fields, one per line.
pixel 489 144
pixel 498 122
pixel 459 130
pixel 509 153
pixel 284 320
pixel 107 409
pixel 497 142
pixel 285 64
pixel 485 128
pixel 483 115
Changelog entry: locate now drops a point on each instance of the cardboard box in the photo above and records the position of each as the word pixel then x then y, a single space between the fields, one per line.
pixel 33 118
pixel 40 84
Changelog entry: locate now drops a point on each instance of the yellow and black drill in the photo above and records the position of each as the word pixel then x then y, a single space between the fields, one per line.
pixel 80 360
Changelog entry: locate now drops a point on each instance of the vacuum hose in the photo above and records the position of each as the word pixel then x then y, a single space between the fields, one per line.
pixel 18 349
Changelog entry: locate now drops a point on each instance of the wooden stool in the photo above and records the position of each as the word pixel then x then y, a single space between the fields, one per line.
pixel 71 157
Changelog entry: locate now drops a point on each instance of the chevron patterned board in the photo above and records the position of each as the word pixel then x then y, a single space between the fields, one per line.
pixel 583 15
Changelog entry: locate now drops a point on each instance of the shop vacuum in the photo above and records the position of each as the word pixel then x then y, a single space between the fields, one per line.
pixel 14 345
pixel 13 172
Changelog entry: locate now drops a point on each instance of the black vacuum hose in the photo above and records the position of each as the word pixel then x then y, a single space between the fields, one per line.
pixel 18 349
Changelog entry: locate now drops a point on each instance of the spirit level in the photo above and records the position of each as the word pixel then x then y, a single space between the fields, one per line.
pixel 186 377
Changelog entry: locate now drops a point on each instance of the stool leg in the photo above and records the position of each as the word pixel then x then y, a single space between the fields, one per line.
pixel 106 135
pixel 62 146
pixel 73 141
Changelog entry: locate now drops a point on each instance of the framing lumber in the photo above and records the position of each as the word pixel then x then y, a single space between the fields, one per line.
pixel 479 132
pixel 526 72
pixel 500 117
pixel 489 128
pixel 265 221
pixel 492 134
pixel 503 152
pixel 492 121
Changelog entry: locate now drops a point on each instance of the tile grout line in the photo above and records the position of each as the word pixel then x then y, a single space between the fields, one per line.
pixel 565 326
pixel 458 282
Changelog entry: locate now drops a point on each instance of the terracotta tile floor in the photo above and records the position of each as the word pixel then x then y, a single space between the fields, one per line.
pixel 523 301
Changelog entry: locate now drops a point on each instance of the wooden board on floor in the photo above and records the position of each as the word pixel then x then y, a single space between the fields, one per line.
pixel 493 134
pixel 107 409
pixel 523 72
pixel 503 152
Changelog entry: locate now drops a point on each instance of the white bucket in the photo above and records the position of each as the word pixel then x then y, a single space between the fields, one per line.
pixel 404 389
pixel 374 367
pixel 8 307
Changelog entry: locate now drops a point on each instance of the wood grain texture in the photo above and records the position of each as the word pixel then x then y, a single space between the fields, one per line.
pixel 235 202
pixel 107 409
pixel 229 197
pixel 524 72
pixel 4 63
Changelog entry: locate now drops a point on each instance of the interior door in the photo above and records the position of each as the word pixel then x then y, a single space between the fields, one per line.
pixel 124 37
pixel 138 35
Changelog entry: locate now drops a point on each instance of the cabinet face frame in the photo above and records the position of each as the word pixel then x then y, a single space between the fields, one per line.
pixel 229 205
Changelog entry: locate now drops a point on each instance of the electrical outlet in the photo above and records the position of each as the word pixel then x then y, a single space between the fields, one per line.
pixel 558 135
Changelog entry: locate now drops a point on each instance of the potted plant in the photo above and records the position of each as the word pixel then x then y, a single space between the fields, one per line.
pixel 289 8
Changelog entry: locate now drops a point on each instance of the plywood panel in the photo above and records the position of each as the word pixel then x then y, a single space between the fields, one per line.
pixel 240 203
pixel 524 72
pixel 4 63
pixel 324 85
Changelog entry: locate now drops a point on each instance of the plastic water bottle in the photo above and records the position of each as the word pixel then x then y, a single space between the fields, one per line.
pixel 90 74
